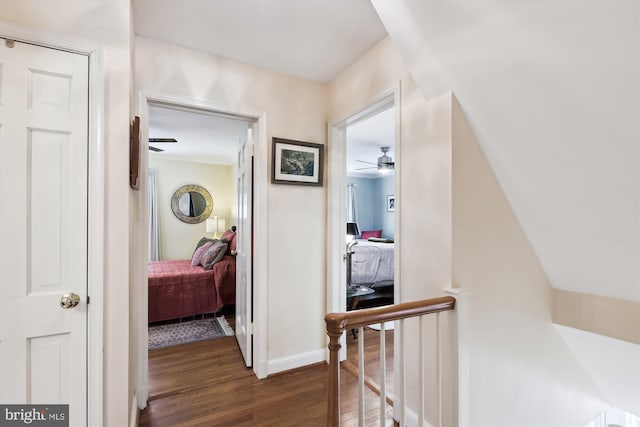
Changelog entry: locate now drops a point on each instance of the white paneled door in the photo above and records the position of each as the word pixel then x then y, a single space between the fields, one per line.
pixel 244 276
pixel 43 227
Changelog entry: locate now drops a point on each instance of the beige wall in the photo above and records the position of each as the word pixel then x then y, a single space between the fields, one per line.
pixel 178 239
pixel 610 317
pixel 521 371
pixel 107 23
pixel 423 174
pixel 295 109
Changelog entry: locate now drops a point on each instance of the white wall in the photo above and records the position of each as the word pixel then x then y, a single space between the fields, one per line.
pixel 107 23
pixel 551 91
pixel 613 364
pixel 177 238
pixel 520 370
pixel 295 109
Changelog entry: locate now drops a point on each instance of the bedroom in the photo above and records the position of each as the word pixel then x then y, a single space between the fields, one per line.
pixel 370 209
pixel 192 200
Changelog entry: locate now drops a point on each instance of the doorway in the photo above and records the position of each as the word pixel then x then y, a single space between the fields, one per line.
pixel 370 210
pixel 388 104
pixel 252 127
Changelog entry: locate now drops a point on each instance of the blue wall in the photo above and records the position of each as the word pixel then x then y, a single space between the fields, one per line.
pixel 371 203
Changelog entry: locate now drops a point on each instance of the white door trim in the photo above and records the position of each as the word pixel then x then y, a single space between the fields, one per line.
pixel 336 290
pixel 260 188
pixel 95 262
pixel 337 196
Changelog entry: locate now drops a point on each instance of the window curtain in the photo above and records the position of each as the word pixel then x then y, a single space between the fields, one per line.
pixel 351 203
pixel 154 232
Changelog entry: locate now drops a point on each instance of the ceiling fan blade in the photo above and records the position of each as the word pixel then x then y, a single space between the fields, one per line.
pixel 362 161
pixel 162 140
pixel 156 149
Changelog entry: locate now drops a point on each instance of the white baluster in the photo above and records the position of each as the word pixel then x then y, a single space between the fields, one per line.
pixel 361 376
pixel 383 376
pixel 439 369
pixel 421 370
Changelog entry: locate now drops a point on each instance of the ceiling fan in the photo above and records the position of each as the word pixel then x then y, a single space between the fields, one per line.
pixel 385 163
pixel 159 141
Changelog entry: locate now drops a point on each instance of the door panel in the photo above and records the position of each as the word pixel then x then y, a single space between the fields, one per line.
pixel 244 278
pixel 43 226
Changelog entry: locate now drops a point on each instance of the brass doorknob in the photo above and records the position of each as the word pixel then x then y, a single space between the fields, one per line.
pixel 69 300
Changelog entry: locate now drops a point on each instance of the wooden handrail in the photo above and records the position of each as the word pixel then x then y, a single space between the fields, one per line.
pixel 337 323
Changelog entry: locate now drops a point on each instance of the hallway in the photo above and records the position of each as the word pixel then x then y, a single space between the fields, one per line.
pixel 206 384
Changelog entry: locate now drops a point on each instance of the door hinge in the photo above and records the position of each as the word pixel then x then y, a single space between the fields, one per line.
pixel 251 328
pixel 88 299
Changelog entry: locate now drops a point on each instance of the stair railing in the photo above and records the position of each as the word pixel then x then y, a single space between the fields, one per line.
pixel 338 323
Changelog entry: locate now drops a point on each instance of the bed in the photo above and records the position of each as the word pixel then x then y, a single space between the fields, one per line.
pixel 372 263
pixel 179 289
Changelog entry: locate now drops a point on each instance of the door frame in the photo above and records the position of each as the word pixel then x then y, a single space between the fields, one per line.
pixel 95 193
pixel 336 247
pixel 260 188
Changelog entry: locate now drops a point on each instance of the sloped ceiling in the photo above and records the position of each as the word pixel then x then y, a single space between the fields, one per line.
pixel 552 90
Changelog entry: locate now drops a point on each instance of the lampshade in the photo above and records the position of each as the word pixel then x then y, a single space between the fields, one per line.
pixel 212 225
pixel 352 229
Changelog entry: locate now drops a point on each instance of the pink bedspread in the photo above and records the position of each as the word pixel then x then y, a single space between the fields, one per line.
pixel 176 289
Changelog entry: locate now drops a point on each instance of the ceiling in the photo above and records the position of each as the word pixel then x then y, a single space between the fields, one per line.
pixel 202 137
pixel 364 140
pixel 268 34
pixel 310 39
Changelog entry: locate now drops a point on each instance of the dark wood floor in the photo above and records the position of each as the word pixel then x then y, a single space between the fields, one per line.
pixel 206 384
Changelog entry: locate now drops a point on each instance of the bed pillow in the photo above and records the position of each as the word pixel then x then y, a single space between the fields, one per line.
pixel 213 254
pixel 371 233
pixel 230 238
pixel 202 242
pixel 197 255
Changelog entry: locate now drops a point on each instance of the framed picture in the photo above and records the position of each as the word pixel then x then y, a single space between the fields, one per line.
pixel 134 154
pixel 391 203
pixel 297 162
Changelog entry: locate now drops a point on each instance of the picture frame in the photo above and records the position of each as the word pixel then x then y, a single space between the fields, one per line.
pixel 391 203
pixel 297 162
pixel 134 154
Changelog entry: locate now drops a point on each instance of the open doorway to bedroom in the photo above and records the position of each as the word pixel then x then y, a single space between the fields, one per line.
pixel 370 210
pixel 197 206
pixel 363 253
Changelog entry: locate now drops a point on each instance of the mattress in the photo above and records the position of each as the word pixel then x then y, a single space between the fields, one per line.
pixel 371 262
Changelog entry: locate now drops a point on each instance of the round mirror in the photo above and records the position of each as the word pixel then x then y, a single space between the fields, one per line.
pixel 191 204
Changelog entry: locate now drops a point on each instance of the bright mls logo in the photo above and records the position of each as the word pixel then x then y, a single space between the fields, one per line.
pixel 36 415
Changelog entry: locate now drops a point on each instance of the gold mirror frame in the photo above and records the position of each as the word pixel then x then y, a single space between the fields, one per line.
pixel 175 199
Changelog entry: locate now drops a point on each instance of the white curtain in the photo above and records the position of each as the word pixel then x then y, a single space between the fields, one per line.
pixel 154 232
pixel 351 203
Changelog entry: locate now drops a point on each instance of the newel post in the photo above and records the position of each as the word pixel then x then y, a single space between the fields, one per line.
pixel 333 408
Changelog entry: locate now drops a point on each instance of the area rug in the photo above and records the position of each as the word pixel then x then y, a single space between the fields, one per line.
pixel 184 332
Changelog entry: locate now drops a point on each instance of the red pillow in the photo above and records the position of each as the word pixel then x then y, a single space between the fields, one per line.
pixel 371 233
pixel 230 238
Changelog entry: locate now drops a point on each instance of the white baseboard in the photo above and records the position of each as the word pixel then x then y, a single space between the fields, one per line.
pixel 261 369
pixel 133 416
pixel 412 419
pixel 295 361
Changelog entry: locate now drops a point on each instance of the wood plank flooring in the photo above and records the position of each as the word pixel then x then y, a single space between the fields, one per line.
pixel 206 384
